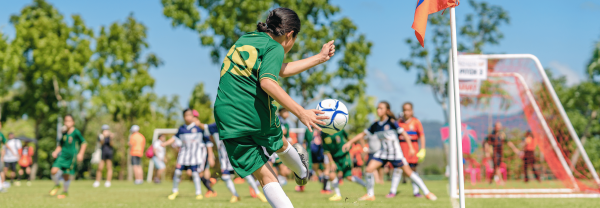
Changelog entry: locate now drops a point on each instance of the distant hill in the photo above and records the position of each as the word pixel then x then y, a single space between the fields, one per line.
pixel 432 133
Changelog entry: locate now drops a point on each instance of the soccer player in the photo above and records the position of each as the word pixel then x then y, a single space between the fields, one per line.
pixel 317 154
pixel 2 152
pixel 210 158
pixel 342 162
pixel 496 139
pixel 137 142
pixel 11 157
pixel 159 157
pixel 227 169
pixel 192 154
pixel 105 140
pixel 528 156
pixel 414 129
pixel 25 161
pixel 383 137
pixel 244 109
pixel 71 148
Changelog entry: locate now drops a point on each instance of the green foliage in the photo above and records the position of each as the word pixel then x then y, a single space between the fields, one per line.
pixel 202 103
pixel 481 28
pixel 358 118
pixel 228 20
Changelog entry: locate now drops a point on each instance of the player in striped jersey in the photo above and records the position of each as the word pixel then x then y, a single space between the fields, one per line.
pixel 227 169
pixel 383 140
pixel 192 154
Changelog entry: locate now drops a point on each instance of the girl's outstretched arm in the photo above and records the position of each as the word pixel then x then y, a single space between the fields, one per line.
pixel 295 67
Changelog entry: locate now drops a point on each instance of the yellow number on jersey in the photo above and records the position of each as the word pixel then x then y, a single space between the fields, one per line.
pixel 239 61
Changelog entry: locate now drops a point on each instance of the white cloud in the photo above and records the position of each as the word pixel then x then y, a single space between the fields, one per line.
pixel 564 70
pixel 383 81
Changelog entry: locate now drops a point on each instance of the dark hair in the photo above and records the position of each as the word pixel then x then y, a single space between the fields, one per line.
pixel 407 103
pixel 388 111
pixel 69 115
pixel 280 21
pixel 10 133
pixel 282 109
pixel 186 110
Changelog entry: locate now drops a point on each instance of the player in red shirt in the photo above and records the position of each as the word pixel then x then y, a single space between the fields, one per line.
pixel 528 155
pixel 414 129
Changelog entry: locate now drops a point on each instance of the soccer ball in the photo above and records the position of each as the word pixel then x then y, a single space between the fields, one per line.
pixel 338 115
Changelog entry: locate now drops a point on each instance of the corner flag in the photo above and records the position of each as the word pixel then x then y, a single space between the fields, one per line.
pixel 424 8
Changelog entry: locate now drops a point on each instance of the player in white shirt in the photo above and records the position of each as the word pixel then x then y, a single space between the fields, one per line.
pixel 159 157
pixel 11 156
pixel 383 137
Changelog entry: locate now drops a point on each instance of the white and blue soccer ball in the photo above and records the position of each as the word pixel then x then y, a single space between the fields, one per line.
pixel 338 115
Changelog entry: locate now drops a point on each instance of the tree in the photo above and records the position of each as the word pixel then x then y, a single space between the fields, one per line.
pixel 228 20
pixel 201 102
pixel 48 56
pixel 431 63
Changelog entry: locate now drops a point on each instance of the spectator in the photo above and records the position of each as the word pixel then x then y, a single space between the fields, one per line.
pixel 496 139
pixel 25 162
pixel 159 157
pixel 528 156
pixel 105 140
pixel 2 142
pixel 137 142
pixel 11 156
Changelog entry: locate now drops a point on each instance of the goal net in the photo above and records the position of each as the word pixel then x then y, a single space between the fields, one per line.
pixel 514 90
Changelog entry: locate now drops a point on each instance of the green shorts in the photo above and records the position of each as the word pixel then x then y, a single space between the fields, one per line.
pixel 247 154
pixel 344 164
pixel 66 164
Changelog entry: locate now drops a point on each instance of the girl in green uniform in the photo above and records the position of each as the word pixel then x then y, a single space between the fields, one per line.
pixel 244 109
pixel 68 152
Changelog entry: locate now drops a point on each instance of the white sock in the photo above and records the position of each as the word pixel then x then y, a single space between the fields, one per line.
pixel 176 179
pixel 56 177
pixel 292 160
pixel 359 181
pixel 229 183
pixel 417 180
pixel 197 182
pixel 66 185
pixel 275 195
pixel 370 184
pixel 252 183
pixel 336 186
pixel 328 185
pixel 414 185
pixel 396 176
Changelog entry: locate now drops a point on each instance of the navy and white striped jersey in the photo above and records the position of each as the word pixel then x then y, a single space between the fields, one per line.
pixel 383 140
pixel 212 129
pixel 193 145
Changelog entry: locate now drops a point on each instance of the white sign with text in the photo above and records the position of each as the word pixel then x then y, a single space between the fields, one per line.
pixel 469 87
pixel 472 67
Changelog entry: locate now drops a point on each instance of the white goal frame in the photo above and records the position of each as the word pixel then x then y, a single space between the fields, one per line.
pixel 528 193
pixel 155 135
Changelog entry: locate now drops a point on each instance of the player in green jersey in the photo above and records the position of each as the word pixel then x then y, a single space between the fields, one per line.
pixel 340 161
pixel 71 148
pixel 244 109
pixel 2 142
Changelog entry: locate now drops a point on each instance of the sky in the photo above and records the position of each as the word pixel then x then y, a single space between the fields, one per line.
pixel 562 34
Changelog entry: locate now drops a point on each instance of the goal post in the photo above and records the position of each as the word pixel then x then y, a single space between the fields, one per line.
pixel 513 89
pixel 157 132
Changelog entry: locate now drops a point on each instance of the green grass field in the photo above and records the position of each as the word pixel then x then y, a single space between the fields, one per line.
pixel 125 194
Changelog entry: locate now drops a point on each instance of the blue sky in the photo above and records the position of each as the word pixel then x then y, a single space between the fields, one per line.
pixel 562 34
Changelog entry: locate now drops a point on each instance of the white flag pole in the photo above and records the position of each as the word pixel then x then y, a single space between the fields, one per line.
pixel 456 109
pixel 452 131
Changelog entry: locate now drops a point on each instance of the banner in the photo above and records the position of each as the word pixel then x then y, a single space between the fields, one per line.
pixel 469 87
pixel 472 67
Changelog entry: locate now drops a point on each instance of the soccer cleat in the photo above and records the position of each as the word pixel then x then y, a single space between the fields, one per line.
pixel 235 199
pixel 261 197
pixel 335 197
pixel 418 195
pixel 107 184
pixel 431 196
pixel 55 190
pixel 96 184
pixel 174 195
pixel 199 197
pixel 213 181
pixel 299 188
pixel 210 194
pixel 17 183
pixel 390 195
pixel 63 195
pixel 366 197
pixel 252 193
pixel 325 192
pixel 304 157
pixel 28 183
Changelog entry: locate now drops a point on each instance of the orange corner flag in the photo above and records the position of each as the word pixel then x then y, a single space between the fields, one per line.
pixel 424 8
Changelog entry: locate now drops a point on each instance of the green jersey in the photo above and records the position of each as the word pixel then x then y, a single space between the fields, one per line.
pixel 70 143
pixel 242 107
pixel 2 139
pixel 333 143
